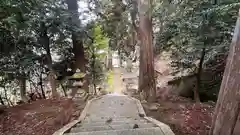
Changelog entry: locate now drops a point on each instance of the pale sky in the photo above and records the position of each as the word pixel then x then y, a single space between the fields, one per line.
pixel 85 15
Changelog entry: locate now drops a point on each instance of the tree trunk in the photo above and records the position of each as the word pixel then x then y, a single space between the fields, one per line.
pixel 227 108
pixel 198 76
pixel 35 88
pixel 64 90
pixel 31 89
pixel 51 74
pixel 140 78
pixel 133 18
pixel 41 86
pixel 53 84
pixel 120 58
pixel 129 64
pixel 45 41
pixel 22 84
pixel 1 100
pixel 110 66
pixel 6 97
pixel 148 84
pixel 95 89
pixel 78 48
pixel 94 72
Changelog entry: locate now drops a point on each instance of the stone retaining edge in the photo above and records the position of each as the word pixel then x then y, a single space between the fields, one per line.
pixel 139 106
pixel 165 128
pixel 74 122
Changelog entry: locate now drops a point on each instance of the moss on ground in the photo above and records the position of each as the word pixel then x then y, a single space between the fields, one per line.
pixel 109 81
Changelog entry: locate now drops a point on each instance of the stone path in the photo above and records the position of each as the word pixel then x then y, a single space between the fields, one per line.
pixel 130 83
pixel 117 81
pixel 115 115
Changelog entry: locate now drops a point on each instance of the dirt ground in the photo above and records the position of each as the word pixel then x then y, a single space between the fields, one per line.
pixel 182 115
pixel 42 117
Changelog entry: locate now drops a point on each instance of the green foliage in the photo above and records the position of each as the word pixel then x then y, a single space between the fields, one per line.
pixel 22 48
pixel 29 28
pixel 97 47
pixel 100 39
pixel 186 27
pixel 113 20
pixel 109 80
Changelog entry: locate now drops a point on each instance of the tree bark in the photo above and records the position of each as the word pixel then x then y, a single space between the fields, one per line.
pixel 78 48
pixel 22 83
pixel 120 58
pixel 51 74
pixel 41 86
pixel 64 90
pixel 140 78
pixel 46 43
pixel 95 89
pixel 1 100
pixel 147 82
pixel 129 64
pixel 227 108
pixel 133 18
pixel 198 75
pixel 94 72
pixel 110 66
pixel 53 84
pixel 6 97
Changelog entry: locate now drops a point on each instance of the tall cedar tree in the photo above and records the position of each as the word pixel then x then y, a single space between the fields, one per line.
pixel 228 103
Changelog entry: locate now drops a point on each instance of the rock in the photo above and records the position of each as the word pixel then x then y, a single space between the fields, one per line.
pixel 153 107
pixel 135 126
pixel 141 115
pixel 142 95
pixel 143 101
pixel 103 92
pixel 212 103
pixel 109 120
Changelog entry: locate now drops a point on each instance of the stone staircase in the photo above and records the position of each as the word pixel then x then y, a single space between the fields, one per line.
pixel 117 126
pixel 114 115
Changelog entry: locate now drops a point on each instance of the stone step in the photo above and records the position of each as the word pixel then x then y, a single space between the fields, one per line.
pixel 112 127
pixel 137 131
pixel 97 119
pixel 100 123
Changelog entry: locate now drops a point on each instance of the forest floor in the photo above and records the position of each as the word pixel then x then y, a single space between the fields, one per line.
pixel 42 117
pixel 183 116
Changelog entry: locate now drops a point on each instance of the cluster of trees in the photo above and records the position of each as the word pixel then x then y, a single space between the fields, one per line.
pixel 42 40
pixel 45 41
pixel 198 34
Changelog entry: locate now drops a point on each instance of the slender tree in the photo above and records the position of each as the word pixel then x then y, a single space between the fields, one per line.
pixel 1 100
pixel 45 41
pixel 22 83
